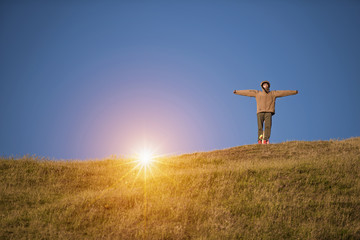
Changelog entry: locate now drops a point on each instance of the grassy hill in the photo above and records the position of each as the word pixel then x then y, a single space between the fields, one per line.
pixel 291 190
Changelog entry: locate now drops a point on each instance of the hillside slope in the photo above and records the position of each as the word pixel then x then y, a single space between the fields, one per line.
pixel 292 190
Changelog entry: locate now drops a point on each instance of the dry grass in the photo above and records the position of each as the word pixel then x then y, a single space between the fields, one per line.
pixel 292 190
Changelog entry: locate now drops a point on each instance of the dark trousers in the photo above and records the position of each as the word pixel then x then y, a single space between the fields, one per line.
pixel 267 118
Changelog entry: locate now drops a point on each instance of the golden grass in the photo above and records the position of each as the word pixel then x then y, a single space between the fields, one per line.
pixel 291 190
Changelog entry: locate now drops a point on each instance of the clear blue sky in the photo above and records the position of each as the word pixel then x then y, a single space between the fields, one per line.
pixel 88 79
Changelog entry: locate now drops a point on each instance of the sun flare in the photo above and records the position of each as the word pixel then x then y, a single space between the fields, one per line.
pixel 145 158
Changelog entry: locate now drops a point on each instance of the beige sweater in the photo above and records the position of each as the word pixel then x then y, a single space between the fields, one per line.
pixel 265 101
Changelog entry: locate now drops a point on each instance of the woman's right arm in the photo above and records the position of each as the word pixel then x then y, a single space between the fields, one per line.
pixel 248 93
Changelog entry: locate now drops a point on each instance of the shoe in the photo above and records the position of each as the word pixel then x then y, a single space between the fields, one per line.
pixel 265 142
pixel 260 139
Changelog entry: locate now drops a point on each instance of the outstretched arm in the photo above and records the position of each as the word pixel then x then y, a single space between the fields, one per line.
pixel 284 93
pixel 248 93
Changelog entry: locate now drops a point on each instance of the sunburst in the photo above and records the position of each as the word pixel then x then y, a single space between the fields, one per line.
pixel 144 162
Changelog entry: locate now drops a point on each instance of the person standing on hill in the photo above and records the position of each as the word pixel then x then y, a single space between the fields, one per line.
pixel 265 101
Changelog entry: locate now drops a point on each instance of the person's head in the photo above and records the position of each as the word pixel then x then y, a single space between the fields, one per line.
pixel 265 85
